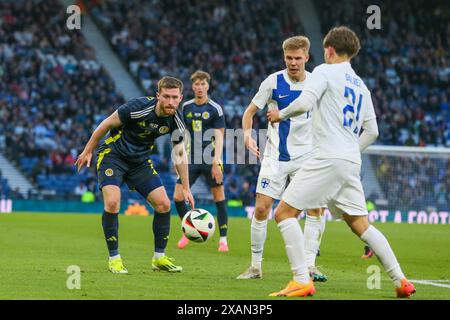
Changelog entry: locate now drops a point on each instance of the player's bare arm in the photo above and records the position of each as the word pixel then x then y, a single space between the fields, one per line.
pixel 109 123
pixel 299 106
pixel 181 165
pixel 247 124
pixel 216 172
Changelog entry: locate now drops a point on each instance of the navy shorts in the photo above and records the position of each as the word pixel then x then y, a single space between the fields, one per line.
pixel 113 170
pixel 196 170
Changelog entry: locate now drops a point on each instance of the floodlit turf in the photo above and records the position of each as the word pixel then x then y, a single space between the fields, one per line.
pixel 36 249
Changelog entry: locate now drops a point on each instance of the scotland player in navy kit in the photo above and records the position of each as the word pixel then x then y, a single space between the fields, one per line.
pixel 124 157
pixel 202 116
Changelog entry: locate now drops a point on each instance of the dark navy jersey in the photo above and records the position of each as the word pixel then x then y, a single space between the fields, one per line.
pixel 134 140
pixel 199 119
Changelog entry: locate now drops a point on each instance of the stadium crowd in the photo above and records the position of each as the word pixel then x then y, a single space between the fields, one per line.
pixel 405 64
pixel 53 91
pixel 407 68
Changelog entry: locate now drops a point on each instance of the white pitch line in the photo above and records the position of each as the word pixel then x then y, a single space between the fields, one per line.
pixel 433 283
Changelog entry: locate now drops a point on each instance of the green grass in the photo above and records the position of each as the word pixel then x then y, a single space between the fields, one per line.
pixel 36 249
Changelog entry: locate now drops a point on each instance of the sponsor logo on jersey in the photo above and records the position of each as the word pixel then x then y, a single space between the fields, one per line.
pixel 197 114
pixel 189 115
pixel 163 129
pixel 153 125
pixel 141 124
pixel 205 115
pixel 109 172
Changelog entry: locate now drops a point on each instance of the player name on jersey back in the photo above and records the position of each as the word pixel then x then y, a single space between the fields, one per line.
pixel 344 104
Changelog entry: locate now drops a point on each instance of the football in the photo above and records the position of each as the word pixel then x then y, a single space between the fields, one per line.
pixel 198 225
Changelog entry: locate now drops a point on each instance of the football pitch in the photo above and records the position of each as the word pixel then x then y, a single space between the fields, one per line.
pixel 37 249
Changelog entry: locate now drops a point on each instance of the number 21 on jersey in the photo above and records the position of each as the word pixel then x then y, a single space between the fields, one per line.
pixel 349 109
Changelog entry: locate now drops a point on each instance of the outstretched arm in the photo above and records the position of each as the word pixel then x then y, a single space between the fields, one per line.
pixel 109 123
pixel 302 104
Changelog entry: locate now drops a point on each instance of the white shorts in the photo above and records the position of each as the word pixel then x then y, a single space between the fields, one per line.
pixel 274 174
pixel 332 182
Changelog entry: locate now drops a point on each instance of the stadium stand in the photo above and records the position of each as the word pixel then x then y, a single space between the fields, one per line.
pixel 407 69
pixel 48 111
pixel 238 43
pixel 52 93
pixel 409 73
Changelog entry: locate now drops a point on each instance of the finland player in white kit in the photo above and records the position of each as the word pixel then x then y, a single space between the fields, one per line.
pixel 289 143
pixel 332 174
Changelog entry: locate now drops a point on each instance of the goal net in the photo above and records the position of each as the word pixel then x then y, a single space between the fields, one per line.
pixel 407 178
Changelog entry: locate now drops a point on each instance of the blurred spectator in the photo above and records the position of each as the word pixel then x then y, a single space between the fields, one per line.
pixel 80 189
pixel 16 195
pixel 247 195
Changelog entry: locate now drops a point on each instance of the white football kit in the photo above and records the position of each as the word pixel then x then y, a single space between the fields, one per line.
pixel 289 142
pixel 332 173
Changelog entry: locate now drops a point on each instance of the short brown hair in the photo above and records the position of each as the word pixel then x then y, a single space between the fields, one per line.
pixel 296 43
pixel 170 83
pixel 200 75
pixel 343 40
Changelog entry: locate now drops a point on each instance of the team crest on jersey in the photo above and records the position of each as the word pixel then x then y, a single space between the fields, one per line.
pixel 163 129
pixel 109 172
pixel 264 183
pixel 205 115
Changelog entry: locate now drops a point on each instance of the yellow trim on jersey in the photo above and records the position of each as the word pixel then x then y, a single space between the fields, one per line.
pixel 152 167
pixel 101 156
pixel 150 98
pixel 197 125
pixel 221 165
pixel 113 139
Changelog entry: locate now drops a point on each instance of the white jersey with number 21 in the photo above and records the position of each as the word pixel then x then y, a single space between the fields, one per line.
pixel 344 103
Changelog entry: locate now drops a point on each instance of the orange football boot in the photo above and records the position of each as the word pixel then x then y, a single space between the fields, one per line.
pixel 406 290
pixel 295 289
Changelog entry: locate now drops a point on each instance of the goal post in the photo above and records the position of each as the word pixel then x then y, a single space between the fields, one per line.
pixel 407 178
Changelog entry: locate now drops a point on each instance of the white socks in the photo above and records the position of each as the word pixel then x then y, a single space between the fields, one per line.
pixel 313 235
pixel 295 249
pixel 380 246
pixel 258 233
pixel 223 240
pixel 158 255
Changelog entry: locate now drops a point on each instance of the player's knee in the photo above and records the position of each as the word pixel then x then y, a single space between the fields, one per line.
pixel 261 212
pixel 162 206
pixel 314 212
pixel 178 196
pixel 218 194
pixel 279 216
pixel 112 206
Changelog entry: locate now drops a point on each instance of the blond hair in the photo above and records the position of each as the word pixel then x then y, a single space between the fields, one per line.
pixel 296 43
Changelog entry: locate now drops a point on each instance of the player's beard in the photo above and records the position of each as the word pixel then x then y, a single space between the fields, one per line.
pixel 169 110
